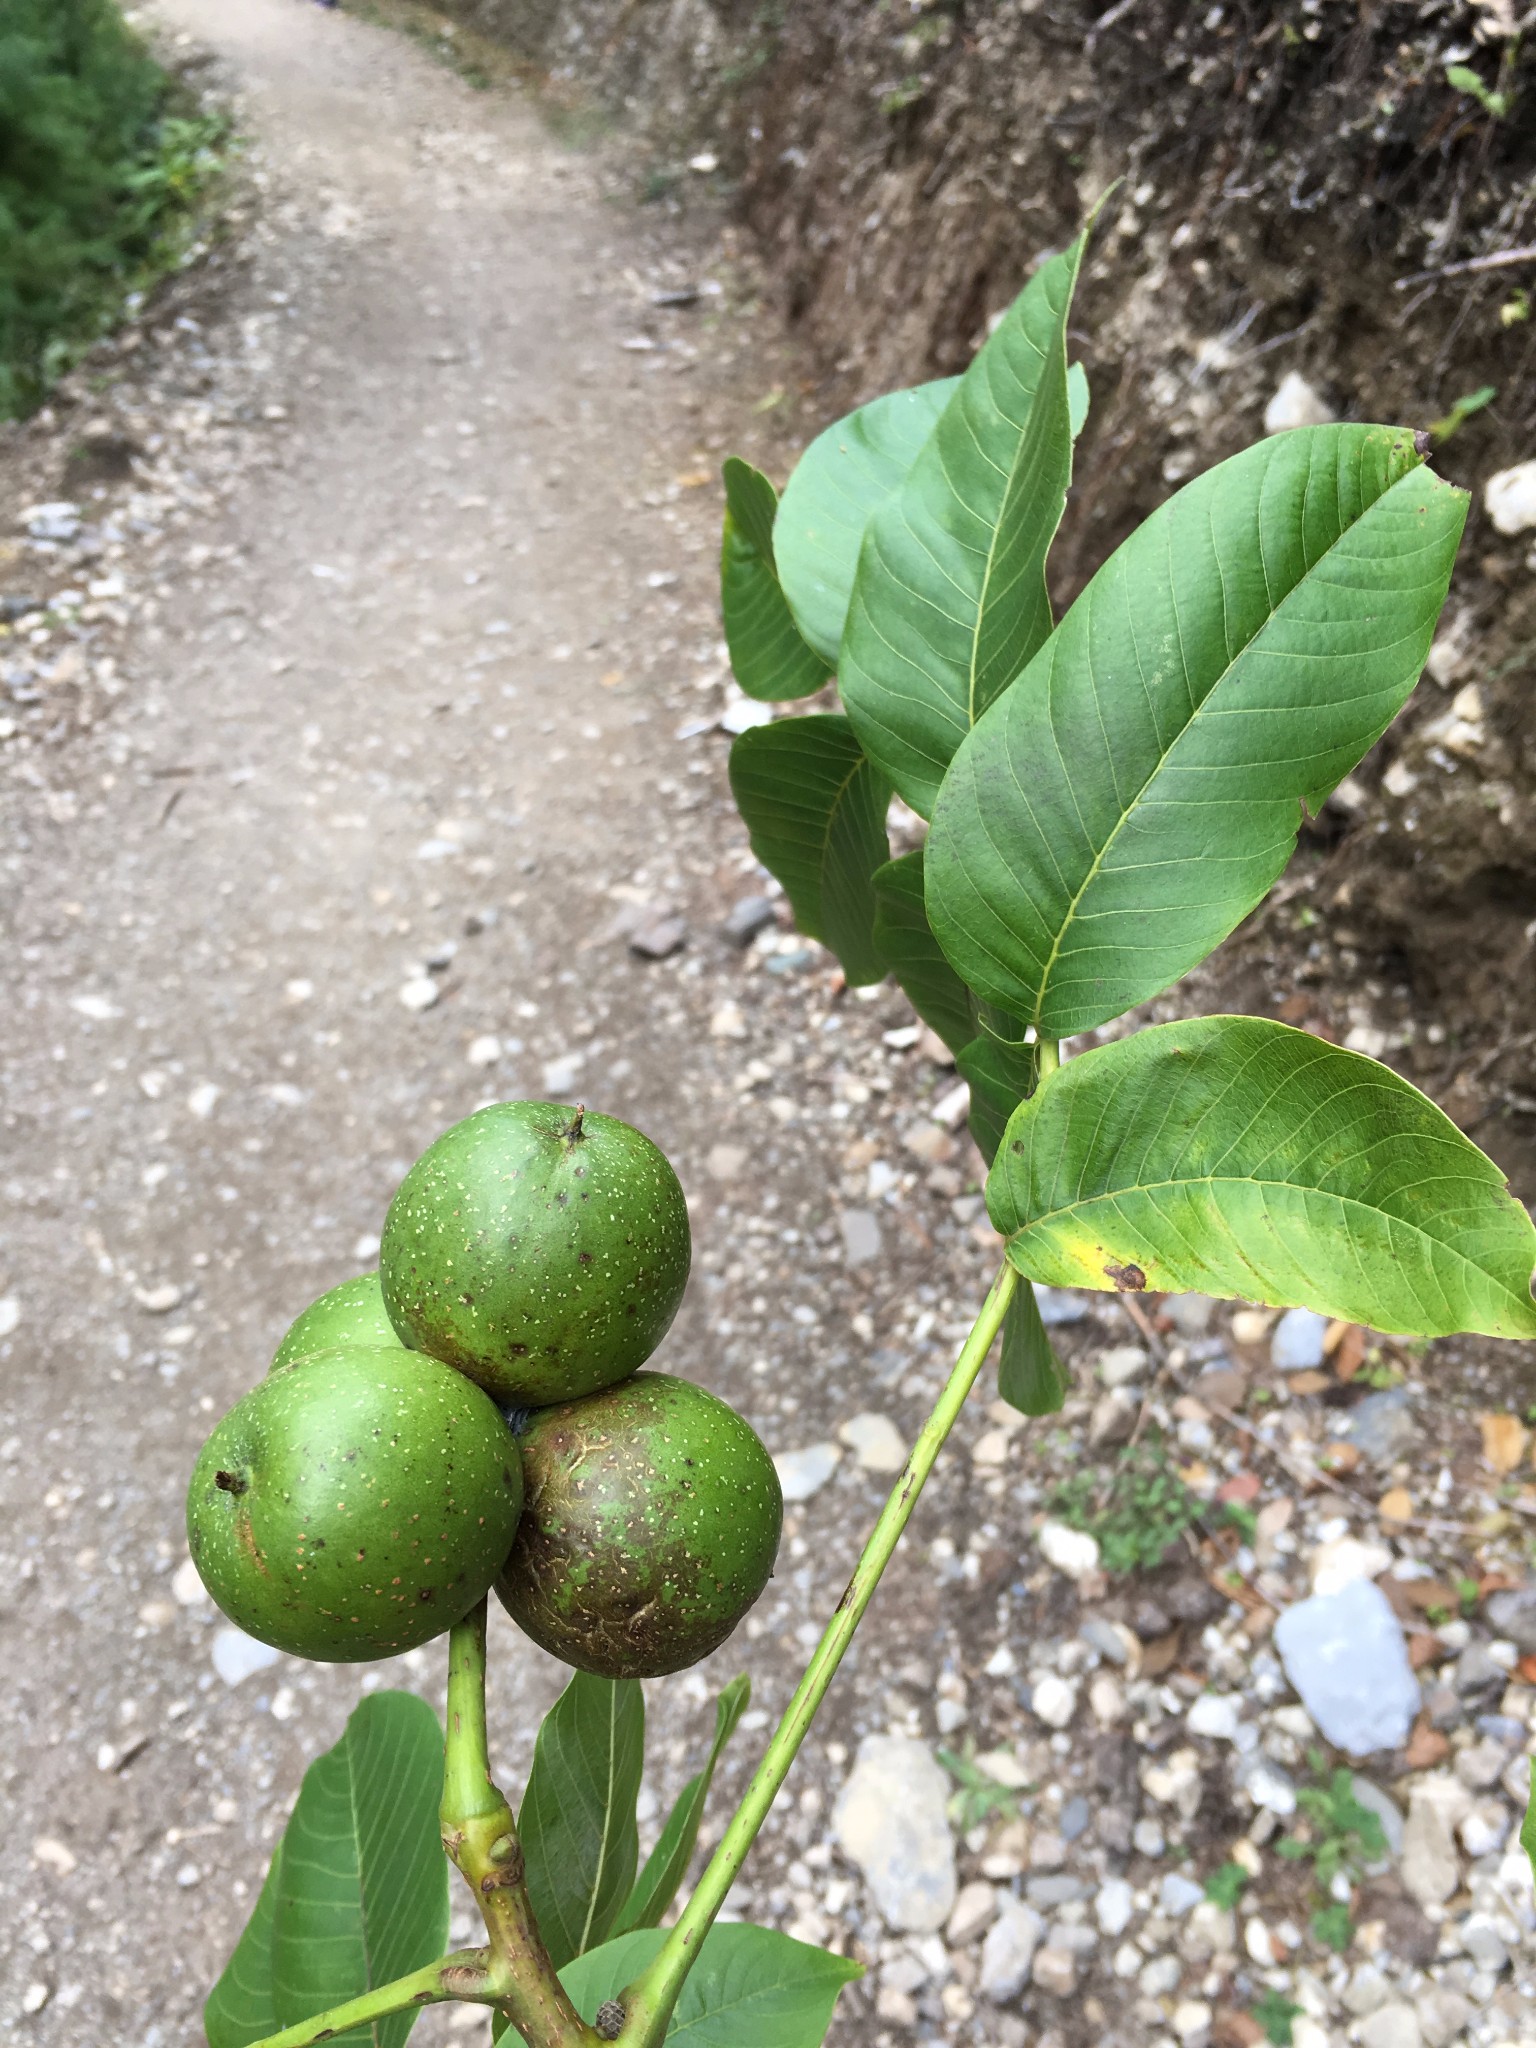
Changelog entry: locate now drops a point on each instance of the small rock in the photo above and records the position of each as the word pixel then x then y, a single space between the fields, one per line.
pixel 1382 1427
pixel 1161 1976
pixel 1053 1701
pixel 749 915
pixel 1056 1890
pixel 1268 1785
pixel 1054 1970
pixel 1072 1551
pixel 1259 1942
pixel 802 1473
pixel 1344 1653
pixel 876 1443
pixel 1484 1943
pixel 1115 1906
pixel 1190 1314
pixel 1106 1701
pixel 1296 403
pixel 236 1656
pixel 159 1301
pixel 1391 2026
pixel 1486 1828
pixel 1513 1615
pixel 1112 1827
pixel 1191 1600
pixel 1481 1767
pixel 1008 1951
pixel 727 1162
pixel 1431 1867
pixel 1477 1669
pixel 1210 1930
pixel 1252 1325
pixel 483 1051
pixel 35 1997
pixel 1148 1839
pixel 1366 1990
pixel 861 1236
pixel 974 1911
pixel 1297 1344
pixel 1217 1715
pixel 891 1820
pixel 1113 1420
pixel 1192 2022
pixel 658 937
pixel 1150 1621
pixel 1443 2014
pixel 1335 1564
pixel 1179 1895
pixel 10 1314
pixel 1059 1305
pixel 1174 1781
pixel 1509 498
pixel 1122 1364
pixel 1075 1817
pixel 1112 1639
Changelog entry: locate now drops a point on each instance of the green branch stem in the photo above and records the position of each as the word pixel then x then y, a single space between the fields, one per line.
pixel 480 1837
pixel 1047 1058
pixel 650 2001
pixel 464 1975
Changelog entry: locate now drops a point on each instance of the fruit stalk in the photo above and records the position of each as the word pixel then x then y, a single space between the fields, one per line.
pixel 480 1838
pixel 650 2000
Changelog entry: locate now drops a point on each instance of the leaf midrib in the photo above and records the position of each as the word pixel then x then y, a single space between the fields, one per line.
pixel 607 1826
pixel 1008 476
pixel 1128 808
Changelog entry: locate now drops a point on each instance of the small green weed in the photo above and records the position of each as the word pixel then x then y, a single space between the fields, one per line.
pixel 978 1797
pixel 1464 79
pixel 1338 1836
pixel 1136 1512
pixel 1461 411
pixel 1224 1886
pixel 1276 2014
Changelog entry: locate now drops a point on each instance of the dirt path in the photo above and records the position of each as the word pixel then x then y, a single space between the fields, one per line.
pixel 411 720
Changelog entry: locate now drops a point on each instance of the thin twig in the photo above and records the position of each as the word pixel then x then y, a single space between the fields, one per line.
pixel 1470 266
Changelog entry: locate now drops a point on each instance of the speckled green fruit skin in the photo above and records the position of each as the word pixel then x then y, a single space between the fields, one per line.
pixel 353 1313
pixel 355 1504
pixel 652 1522
pixel 542 1263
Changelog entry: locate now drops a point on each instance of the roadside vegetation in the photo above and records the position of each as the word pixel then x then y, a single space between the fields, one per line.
pixel 107 165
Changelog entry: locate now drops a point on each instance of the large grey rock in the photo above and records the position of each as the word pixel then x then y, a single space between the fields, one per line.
pixel 890 1820
pixel 1345 1655
pixel 1008 1951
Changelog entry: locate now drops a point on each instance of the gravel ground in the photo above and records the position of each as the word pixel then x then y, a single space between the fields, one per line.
pixel 364 760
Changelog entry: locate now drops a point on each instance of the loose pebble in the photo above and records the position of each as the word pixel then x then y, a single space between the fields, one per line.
pixel 891 1819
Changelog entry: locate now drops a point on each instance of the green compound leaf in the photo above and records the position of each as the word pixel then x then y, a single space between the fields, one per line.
pixel 904 939
pixel 750 1988
pixel 768 656
pixel 362 1886
pixel 1000 1075
pixel 1234 1156
pixel 240 2008
pixel 667 1865
pixel 949 602
pixel 845 475
pixel 814 809
pixel 580 1840
pixel 1113 817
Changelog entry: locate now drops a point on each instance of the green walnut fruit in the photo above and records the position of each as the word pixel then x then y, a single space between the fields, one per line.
pixel 355 1504
pixel 542 1250
pixel 651 1525
pixel 351 1314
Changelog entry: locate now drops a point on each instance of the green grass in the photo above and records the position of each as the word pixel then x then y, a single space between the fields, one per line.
pixel 1137 1511
pixel 104 164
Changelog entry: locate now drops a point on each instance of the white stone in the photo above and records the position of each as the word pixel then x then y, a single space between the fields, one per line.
pixel 1297 1344
pixel 1345 1655
pixel 1054 1970
pixel 203 1098
pixel 236 1656
pixel 1122 1364
pixel 1391 2026
pixel 35 1997
pixel 1267 1785
pixel 1192 2021
pixel 802 1473
pixel 891 1820
pixel 1259 1943
pixel 1443 2014
pixel 1106 1701
pixel 1178 1895
pixel 1115 1906
pixel 1334 1565
pixel 861 1236
pixel 1174 1781
pixel 1218 1715
pixel 974 1911
pixel 421 992
pixel 875 1441
pixel 97 1008
pixel 1296 403
pixel 1053 1700
pixel 1509 498
pixel 1072 1551
pixel 1431 1866
pixel 484 1051
pixel 10 1314
pixel 1008 1951
pixel 1486 1828
pixel 187 1588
